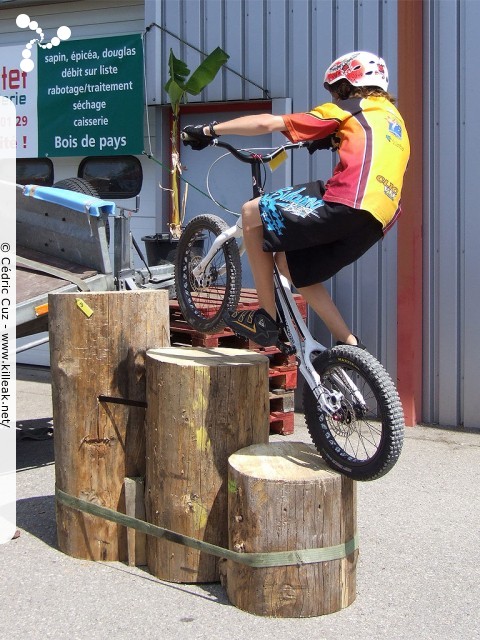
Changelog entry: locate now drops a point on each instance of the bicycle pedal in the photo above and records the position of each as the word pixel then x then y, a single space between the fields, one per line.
pixel 237 335
pixel 286 349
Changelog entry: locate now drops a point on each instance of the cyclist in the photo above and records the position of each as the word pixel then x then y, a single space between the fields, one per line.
pixel 314 230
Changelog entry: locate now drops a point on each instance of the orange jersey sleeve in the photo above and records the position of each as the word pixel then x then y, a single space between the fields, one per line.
pixel 314 125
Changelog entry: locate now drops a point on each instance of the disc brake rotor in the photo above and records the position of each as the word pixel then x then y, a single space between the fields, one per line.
pixel 343 421
pixel 208 279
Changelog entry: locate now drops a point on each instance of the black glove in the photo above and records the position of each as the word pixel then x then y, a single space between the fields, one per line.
pixel 194 137
pixel 330 142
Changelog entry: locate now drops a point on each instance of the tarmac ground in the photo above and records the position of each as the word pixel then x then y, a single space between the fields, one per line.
pixel 417 575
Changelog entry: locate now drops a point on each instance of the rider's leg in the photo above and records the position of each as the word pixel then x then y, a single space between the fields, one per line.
pixel 318 298
pixel 258 325
pixel 261 262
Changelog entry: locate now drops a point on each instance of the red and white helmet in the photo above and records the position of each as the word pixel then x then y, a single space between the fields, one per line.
pixel 360 68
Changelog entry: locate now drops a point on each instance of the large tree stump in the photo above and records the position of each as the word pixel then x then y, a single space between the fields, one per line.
pixel 203 404
pixel 282 497
pixel 99 443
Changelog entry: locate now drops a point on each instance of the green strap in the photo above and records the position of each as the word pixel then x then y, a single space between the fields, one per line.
pixel 270 559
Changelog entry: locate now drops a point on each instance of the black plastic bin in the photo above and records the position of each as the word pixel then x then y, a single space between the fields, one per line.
pixel 160 248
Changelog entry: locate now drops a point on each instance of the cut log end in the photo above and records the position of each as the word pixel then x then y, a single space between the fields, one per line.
pixel 282 497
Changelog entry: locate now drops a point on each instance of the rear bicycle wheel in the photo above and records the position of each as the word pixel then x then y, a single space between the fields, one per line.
pixel 203 301
pixel 364 438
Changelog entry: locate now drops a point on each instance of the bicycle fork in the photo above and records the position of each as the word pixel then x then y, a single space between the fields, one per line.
pixel 201 272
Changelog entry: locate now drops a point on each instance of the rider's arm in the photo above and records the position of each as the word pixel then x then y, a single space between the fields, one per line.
pixel 316 124
pixel 248 125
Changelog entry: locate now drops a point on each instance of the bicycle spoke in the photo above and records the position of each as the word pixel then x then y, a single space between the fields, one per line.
pixel 355 427
pixel 205 293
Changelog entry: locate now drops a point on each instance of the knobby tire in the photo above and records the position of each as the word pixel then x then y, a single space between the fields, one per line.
pixel 362 441
pixel 203 305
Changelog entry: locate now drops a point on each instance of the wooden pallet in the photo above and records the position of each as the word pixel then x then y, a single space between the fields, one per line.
pixel 227 339
pixel 281 401
pixel 192 338
pixel 248 300
pixel 282 423
pixel 282 369
pixel 283 377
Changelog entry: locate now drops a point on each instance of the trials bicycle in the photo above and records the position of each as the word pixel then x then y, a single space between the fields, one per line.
pixel 352 409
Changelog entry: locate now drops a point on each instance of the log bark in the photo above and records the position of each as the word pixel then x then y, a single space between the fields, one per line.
pixel 282 497
pixel 203 405
pixel 99 443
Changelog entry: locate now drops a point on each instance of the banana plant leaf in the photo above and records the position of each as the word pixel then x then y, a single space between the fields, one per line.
pixel 178 85
pixel 175 87
pixel 206 71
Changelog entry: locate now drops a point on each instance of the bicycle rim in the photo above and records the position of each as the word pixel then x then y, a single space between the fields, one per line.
pixel 364 438
pixel 203 302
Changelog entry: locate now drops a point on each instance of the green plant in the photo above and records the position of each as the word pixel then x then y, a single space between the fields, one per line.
pixel 178 87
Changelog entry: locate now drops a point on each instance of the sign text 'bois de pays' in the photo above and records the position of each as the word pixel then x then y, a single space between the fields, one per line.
pixel 90 97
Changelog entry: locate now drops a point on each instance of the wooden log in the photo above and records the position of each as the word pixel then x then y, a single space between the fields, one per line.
pixel 98 343
pixel 282 497
pixel 203 405
pixel 135 507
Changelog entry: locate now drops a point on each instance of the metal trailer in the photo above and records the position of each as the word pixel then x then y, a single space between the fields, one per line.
pixel 63 242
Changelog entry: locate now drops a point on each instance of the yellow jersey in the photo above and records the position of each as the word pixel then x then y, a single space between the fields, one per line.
pixel 373 148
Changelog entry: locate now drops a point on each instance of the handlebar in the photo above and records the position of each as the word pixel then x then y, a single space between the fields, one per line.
pixel 248 156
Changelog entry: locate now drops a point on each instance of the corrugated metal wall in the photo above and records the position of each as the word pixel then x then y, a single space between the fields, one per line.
pixel 278 49
pixel 452 222
pixel 282 48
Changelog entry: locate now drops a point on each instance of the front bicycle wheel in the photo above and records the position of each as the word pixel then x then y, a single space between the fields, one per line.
pixel 364 438
pixel 203 298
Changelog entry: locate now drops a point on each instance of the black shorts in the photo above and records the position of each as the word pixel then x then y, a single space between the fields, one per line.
pixel 319 238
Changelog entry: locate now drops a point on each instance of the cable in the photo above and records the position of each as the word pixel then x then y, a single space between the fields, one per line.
pixel 147 117
pixel 174 35
pixel 207 180
pixel 209 194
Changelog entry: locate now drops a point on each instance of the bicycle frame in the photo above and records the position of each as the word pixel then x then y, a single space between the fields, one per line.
pixel 358 434
pixel 302 343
